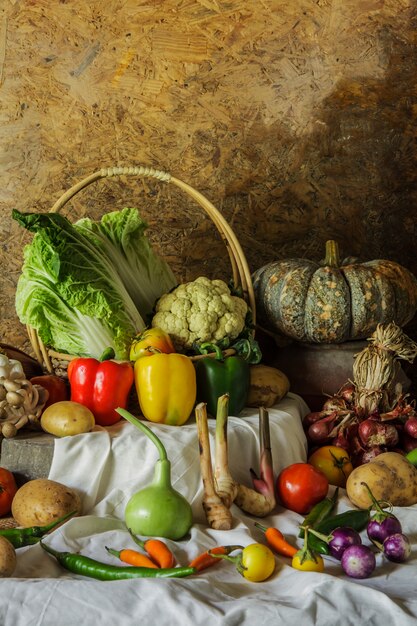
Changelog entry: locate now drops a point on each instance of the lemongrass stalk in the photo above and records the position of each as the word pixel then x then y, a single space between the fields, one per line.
pixel 217 513
pixel 226 487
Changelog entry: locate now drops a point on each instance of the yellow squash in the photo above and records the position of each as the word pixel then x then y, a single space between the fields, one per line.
pixel 166 388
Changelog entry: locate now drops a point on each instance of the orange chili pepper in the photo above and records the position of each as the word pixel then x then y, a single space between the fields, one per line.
pixel 277 541
pixel 205 560
pixel 157 550
pixel 132 557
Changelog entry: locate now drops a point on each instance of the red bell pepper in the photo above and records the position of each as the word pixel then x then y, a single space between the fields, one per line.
pixel 102 386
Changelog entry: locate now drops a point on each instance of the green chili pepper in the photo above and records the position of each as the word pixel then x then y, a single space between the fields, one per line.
pixel 217 376
pixel 20 537
pixel 85 566
pixel 356 519
pixel 353 518
pixel 319 512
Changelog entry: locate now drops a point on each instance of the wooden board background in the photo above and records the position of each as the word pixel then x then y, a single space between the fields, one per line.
pixel 296 119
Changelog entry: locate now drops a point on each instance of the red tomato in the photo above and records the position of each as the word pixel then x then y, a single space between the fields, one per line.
pixel 56 387
pixel 300 486
pixel 334 462
pixel 149 341
pixel 8 489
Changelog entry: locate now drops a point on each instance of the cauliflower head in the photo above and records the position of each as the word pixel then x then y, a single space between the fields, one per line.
pixel 199 311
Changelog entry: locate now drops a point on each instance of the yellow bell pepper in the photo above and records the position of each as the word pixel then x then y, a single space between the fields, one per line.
pixel 166 387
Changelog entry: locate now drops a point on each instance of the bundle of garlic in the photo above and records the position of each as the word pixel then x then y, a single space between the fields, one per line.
pixel 220 489
pixel 21 403
pixel 375 368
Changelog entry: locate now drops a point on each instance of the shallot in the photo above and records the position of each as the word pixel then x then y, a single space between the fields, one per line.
pixel 375 433
pixel 410 427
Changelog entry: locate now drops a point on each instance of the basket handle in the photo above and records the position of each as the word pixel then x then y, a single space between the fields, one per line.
pixel 240 269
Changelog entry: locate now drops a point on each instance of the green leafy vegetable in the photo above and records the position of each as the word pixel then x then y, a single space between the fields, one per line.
pixel 79 283
pixel 121 236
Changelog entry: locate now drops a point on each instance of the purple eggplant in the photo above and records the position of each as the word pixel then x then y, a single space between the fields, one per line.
pixel 343 538
pixel 358 561
pixel 383 523
pixel 380 530
pixel 397 547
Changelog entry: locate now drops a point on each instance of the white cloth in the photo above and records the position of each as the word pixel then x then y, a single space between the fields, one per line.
pixel 107 466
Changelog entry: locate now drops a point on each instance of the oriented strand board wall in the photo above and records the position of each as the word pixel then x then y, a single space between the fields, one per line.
pixel 297 119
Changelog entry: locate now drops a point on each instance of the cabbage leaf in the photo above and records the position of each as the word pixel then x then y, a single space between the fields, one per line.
pixel 79 283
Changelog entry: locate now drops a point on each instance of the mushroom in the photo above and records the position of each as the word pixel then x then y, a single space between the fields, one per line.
pixel 21 403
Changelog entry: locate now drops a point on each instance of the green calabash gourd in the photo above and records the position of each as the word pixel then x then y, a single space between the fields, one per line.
pixel 157 510
pixel 333 301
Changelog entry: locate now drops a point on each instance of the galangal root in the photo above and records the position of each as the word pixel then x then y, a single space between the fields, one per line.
pixel 220 489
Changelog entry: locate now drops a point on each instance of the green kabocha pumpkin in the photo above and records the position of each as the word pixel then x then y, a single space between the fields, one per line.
pixel 330 302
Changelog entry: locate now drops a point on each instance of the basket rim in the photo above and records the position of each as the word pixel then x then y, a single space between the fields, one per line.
pixel 240 270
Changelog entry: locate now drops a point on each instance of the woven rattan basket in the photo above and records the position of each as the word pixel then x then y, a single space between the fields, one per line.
pixel 56 362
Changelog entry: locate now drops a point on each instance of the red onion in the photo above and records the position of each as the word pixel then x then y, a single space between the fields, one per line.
pixel 367 429
pixel 312 417
pixel 347 392
pixel 319 431
pixel 364 456
pixel 374 433
pixel 341 441
pixel 410 427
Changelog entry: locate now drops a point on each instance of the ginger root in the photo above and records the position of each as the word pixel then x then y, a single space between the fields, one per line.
pixel 220 489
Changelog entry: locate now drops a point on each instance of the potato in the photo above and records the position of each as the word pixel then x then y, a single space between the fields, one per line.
pixel 268 385
pixel 42 501
pixel 7 558
pixel 390 477
pixel 67 418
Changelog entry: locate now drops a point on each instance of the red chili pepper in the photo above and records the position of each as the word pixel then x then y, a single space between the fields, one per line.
pixel 102 386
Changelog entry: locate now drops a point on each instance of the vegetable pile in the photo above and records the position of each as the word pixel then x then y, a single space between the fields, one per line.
pixel 339 536
pixel 370 415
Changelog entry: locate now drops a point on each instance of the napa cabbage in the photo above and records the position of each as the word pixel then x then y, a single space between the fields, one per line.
pixel 90 285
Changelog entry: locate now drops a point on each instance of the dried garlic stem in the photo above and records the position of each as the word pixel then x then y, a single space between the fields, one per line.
pixel 217 514
pixel 376 367
pixel 226 487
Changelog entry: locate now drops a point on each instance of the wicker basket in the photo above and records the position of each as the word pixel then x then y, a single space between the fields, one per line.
pixel 56 362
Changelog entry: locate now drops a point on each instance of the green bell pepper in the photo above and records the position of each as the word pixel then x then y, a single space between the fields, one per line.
pixel 217 376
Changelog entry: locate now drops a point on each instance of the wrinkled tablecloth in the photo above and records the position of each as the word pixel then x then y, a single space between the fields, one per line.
pixel 108 465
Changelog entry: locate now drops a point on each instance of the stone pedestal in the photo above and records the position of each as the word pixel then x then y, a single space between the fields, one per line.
pixel 316 371
pixel 28 455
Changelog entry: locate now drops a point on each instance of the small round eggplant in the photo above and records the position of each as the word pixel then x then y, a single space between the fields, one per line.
pixel 358 561
pixel 397 547
pixel 343 538
pixel 380 530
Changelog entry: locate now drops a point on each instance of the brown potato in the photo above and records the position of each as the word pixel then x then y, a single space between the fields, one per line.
pixel 42 501
pixel 390 477
pixel 268 385
pixel 67 418
pixel 7 558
